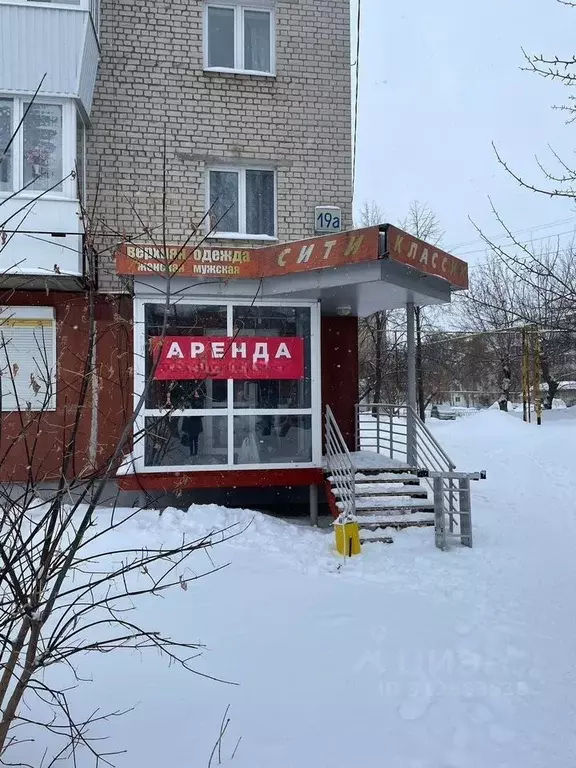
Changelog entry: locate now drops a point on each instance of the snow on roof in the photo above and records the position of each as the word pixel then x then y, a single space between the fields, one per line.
pixel 561 385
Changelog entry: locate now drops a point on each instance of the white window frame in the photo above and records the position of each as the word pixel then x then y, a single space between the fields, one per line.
pixel 68 191
pixel 241 234
pixel 81 6
pixel 239 9
pixel 315 410
pixel 46 317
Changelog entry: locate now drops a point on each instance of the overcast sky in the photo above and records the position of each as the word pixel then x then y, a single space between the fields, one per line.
pixel 439 81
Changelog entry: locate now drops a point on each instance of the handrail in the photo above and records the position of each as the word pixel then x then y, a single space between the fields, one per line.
pixel 391 437
pixel 340 465
pixel 394 426
pixel 425 432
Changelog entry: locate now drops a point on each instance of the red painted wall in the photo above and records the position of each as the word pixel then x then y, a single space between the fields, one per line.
pixel 340 372
pixel 31 443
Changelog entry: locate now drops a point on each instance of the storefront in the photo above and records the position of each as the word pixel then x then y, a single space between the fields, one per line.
pixel 237 353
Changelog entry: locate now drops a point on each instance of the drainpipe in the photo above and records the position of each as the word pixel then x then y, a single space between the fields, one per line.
pixel 411 446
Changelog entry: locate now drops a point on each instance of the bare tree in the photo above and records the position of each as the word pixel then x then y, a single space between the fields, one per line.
pixel 490 308
pixel 423 223
pixel 65 589
pixel 558 180
pixel 373 340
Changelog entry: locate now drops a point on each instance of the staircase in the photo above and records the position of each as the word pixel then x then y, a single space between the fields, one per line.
pixel 380 485
pixel 385 499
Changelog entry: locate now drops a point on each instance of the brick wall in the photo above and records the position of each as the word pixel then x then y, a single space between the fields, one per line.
pixel 151 80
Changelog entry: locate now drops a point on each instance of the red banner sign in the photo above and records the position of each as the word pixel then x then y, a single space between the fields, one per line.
pixel 425 257
pixel 339 249
pixel 222 357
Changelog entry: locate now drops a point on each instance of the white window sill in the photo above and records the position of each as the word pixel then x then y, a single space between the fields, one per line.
pixel 37 194
pixel 39 4
pixel 252 72
pixel 241 236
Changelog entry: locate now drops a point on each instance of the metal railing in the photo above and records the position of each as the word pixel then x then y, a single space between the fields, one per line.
pixel 397 431
pixel 443 483
pixel 340 465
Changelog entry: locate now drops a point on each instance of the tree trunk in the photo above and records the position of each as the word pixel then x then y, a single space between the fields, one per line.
pixel 550 381
pixel 505 386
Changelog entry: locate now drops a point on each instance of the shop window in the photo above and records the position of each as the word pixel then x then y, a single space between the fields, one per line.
pixel 274 321
pixel 272 439
pixel 235 418
pixel 186 440
pixel 185 320
pixel 242 202
pixel 27 359
pixel 239 39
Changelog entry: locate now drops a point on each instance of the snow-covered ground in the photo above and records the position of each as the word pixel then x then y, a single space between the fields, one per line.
pixel 405 657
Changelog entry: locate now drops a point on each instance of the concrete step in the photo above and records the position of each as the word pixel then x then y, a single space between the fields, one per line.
pixel 385 489
pixel 413 521
pixel 393 504
pixel 388 478
pixel 375 489
pixel 375 537
pixel 388 474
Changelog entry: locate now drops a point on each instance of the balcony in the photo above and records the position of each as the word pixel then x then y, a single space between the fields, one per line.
pixel 59 42
pixel 44 241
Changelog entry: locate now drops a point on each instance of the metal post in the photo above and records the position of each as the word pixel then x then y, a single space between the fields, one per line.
pixel 411 447
pixel 524 376
pixel 536 377
pixel 465 513
pixel 377 429
pixel 439 520
pixel 314 505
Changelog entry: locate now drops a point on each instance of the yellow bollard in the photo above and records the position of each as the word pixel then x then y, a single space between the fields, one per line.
pixel 347 536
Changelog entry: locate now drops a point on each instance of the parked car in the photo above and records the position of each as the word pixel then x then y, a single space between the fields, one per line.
pixel 444 413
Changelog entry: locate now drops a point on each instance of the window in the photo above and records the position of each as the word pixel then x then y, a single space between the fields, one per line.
pixel 242 202
pixel 6 123
pixel 42 152
pixel 239 38
pixel 81 159
pixel 42 147
pixel 229 421
pixel 27 358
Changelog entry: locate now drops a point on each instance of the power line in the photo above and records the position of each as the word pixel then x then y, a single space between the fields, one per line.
pixel 515 232
pixel 358 23
pixel 524 242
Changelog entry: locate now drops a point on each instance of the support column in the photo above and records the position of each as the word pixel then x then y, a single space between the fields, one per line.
pixel 411 446
pixel 314 505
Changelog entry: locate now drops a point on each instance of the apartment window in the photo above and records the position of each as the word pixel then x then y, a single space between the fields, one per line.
pixel 242 201
pixel 239 38
pixel 6 122
pixel 27 359
pixel 42 146
pixel 42 151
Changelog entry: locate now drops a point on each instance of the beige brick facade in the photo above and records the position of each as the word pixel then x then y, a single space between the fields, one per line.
pixel 152 79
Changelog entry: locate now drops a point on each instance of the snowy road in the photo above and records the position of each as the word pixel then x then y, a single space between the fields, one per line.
pixel 406 657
